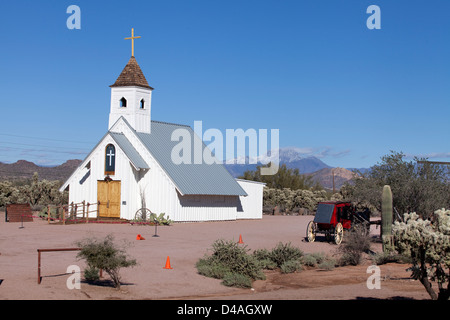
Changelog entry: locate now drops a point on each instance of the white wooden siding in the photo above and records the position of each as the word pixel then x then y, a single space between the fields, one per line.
pixel 161 195
pixel 252 205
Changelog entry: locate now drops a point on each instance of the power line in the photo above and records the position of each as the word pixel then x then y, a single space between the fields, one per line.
pixel 48 150
pixel 41 138
pixel 37 145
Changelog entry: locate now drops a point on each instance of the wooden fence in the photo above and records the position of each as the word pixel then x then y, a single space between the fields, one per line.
pixel 73 213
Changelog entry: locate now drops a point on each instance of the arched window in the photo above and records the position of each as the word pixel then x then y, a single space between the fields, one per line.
pixel 142 104
pixel 123 103
pixel 110 160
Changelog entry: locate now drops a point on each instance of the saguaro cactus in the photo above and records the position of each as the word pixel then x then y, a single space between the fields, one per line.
pixel 386 219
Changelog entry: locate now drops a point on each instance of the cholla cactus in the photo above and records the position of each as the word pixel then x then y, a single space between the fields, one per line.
pixel 290 199
pixel 429 245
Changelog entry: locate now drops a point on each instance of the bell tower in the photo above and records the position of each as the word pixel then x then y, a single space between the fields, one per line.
pixel 131 96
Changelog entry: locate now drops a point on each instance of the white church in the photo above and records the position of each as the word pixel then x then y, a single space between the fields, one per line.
pixel 131 167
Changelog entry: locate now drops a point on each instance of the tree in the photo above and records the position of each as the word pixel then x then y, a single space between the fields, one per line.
pixel 105 254
pixel 429 245
pixel 284 178
pixel 416 187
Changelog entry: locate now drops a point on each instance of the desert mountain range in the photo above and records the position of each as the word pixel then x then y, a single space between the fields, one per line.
pixel 322 173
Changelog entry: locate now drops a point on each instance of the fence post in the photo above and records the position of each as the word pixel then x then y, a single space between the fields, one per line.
pixel 87 214
pixel 48 214
pixel 39 266
pixel 64 215
pixel 84 208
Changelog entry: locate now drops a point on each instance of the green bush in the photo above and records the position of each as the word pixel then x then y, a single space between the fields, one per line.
pixel 234 279
pixel 285 252
pixel 328 264
pixel 212 269
pixel 231 262
pixel 230 258
pixel 380 258
pixel 91 274
pixel 356 242
pixel 105 254
pixel 261 254
pixel 267 264
pixel 309 260
pixel 291 266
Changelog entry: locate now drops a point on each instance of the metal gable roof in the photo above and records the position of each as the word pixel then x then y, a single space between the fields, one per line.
pixel 190 179
pixel 126 146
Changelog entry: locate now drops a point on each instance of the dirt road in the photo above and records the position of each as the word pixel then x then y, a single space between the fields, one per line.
pixel 184 243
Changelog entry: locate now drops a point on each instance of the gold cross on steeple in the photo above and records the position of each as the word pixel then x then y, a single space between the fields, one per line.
pixel 132 41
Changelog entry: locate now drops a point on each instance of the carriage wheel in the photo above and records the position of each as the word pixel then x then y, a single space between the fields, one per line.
pixel 311 231
pixel 142 215
pixel 338 233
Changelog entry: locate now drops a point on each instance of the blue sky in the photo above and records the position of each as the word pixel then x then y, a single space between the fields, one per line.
pixel 311 69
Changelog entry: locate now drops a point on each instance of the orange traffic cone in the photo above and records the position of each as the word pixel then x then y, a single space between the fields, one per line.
pixel 168 264
pixel 139 237
pixel 240 239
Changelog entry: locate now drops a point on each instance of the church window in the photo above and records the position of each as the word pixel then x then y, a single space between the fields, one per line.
pixel 123 103
pixel 110 160
pixel 142 104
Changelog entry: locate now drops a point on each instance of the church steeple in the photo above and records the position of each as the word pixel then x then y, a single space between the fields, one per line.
pixel 131 96
pixel 132 75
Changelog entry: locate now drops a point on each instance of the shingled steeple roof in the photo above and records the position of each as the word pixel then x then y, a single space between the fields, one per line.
pixel 131 75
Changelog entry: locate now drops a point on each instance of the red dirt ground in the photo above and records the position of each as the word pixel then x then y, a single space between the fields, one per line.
pixel 184 243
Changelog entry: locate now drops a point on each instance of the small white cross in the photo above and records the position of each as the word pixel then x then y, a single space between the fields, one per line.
pixel 110 155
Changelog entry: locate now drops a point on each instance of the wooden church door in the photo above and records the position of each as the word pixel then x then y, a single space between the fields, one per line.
pixel 108 193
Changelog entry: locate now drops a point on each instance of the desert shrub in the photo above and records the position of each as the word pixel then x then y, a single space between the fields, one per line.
pixel 356 242
pixel 309 260
pixel 236 258
pixel 230 258
pixel 212 269
pixel 380 258
pixel 232 263
pixel 234 279
pixel 319 256
pixel 291 266
pixel 264 258
pixel 91 274
pixel 318 259
pixel 105 254
pixel 267 264
pixel 285 252
pixel 328 264
pixel 261 254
